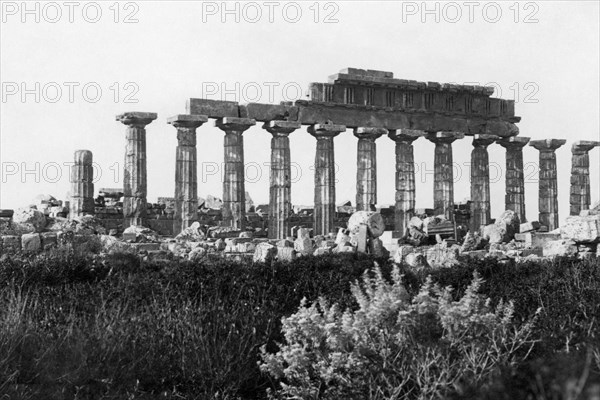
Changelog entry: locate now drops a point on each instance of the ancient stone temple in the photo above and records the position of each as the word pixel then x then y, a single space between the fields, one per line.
pixel 371 104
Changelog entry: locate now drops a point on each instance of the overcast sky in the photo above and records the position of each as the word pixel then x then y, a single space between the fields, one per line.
pixel 87 62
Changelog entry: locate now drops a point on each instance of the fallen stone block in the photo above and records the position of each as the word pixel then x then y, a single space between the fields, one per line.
pixel 415 260
pixel 529 226
pixel 29 219
pixel 473 241
pixel 31 242
pixel 264 252
pixel 377 249
pixel 526 237
pixel 476 254
pixel 532 252
pixel 286 253
pixel 580 229
pixel 495 233
pixel 373 221
pixel 540 238
pixel 319 251
pixel 559 247
pixel 442 256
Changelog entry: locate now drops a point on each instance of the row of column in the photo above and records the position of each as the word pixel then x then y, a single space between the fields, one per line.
pixel 186 183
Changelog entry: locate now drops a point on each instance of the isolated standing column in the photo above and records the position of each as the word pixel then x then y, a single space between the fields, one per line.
pixel 366 162
pixel 405 177
pixel 280 190
pixel 443 181
pixel 186 166
pixel 580 198
pixel 515 178
pixel 548 186
pixel 82 185
pixel 234 192
pixel 324 211
pixel 134 176
pixel 480 181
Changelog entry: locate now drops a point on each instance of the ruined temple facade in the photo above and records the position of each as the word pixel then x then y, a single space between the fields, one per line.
pixel 374 105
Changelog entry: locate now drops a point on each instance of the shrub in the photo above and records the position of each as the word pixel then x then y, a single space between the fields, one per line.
pixel 393 347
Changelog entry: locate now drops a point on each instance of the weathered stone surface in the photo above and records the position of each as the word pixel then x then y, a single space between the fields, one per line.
pixel 29 219
pixel 373 220
pixel 186 179
pixel 49 240
pixel 134 175
pixel 197 254
pixel 515 181
pixel 324 210
pixel 473 241
pixel 443 183
pixel 511 220
pixel 192 233
pixel 141 234
pixel 442 256
pixel 303 245
pixel 366 173
pixel 82 184
pixel 539 239
pixel 264 252
pixel 415 260
pixel 405 177
pixel 31 242
pixel 495 233
pixel 480 181
pixel 234 202
pixel 529 226
pixel 581 229
pixel 560 247
pixel 286 254
pixel 280 187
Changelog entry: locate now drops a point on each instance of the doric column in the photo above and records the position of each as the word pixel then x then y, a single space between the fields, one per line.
pixel 234 192
pixel 82 185
pixel 548 192
pixel 443 180
pixel 405 177
pixel 580 175
pixel 366 163
pixel 280 189
pixel 480 181
pixel 324 211
pixel 514 198
pixel 134 175
pixel 186 175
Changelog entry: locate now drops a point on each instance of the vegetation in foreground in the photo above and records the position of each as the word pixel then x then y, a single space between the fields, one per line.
pixel 77 325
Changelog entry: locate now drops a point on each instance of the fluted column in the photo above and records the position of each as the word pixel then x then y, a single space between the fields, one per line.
pixel 280 189
pixel 514 198
pixel 324 176
pixel 366 163
pixel 405 177
pixel 234 192
pixel 443 180
pixel 480 181
pixel 580 198
pixel 134 177
pixel 82 185
pixel 186 166
pixel 548 186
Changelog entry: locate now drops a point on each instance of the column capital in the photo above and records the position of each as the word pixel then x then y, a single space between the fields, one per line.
pixel 234 124
pixel 484 140
pixel 369 133
pixel 444 136
pixel 82 157
pixel 187 121
pixel 326 130
pixel 514 142
pixel 547 145
pixel 405 135
pixel 583 146
pixel 136 119
pixel 281 128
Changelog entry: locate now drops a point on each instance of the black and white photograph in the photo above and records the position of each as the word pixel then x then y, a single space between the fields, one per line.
pixel 306 199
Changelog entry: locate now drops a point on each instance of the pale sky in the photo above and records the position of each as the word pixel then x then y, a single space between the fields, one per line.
pixel 544 55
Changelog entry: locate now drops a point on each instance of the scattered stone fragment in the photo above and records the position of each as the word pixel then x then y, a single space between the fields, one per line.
pixel 442 256
pixel 31 242
pixel 580 229
pixel 559 247
pixel 529 226
pixel 264 252
pixel 191 233
pixel 29 220
pixel 373 220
